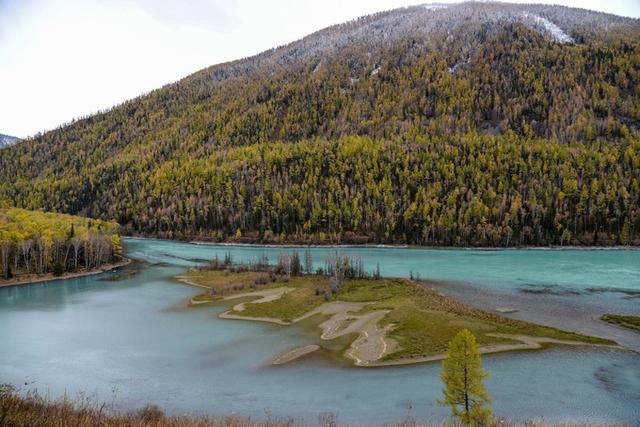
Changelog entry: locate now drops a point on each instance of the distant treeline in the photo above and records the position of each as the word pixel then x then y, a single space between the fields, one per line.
pixel 33 242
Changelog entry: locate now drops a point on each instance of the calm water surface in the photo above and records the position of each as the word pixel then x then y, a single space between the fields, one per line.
pixel 129 339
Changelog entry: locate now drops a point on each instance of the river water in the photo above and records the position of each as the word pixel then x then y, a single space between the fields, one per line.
pixel 128 338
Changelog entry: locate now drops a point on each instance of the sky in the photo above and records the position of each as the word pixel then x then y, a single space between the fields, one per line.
pixel 63 59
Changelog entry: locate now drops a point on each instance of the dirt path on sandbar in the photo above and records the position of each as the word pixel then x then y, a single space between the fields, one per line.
pixel 294 354
pixel 370 345
pixel 186 281
pixel 267 295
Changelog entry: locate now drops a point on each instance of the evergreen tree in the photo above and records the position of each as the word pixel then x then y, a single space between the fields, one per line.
pixel 463 376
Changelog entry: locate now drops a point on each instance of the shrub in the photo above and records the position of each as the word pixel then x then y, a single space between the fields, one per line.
pixel 58 269
pixel 150 414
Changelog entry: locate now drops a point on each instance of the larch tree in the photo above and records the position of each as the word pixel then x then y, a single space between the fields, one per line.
pixel 463 377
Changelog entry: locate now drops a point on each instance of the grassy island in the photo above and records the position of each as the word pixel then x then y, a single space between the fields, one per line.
pixel 387 320
pixel 626 321
pixel 37 246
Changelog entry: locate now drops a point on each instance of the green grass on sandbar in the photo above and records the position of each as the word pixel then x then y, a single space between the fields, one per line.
pixel 631 322
pixel 423 320
pixel 293 304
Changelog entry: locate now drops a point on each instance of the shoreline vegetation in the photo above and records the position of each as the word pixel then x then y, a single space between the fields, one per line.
pixel 40 246
pixel 386 321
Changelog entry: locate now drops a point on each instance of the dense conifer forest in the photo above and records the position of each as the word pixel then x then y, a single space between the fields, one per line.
pixel 475 124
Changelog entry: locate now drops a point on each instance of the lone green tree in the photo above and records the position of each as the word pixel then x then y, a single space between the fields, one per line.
pixel 463 376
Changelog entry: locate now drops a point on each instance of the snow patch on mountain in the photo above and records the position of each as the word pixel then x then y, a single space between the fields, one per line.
pixel 424 25
pixel 6 140
pixel 454 68
pixel 549 27
pixel 435 6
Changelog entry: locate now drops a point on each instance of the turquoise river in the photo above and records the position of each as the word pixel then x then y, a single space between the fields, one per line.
pixel 128 338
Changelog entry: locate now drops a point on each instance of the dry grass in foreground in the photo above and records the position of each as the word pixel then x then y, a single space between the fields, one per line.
pixel 34 410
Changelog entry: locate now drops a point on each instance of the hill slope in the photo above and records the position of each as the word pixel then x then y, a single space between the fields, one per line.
pixel 477 123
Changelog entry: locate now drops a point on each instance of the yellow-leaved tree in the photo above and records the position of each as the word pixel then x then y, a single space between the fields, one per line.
pixel 463 376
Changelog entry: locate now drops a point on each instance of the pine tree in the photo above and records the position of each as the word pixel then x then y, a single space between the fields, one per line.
pixel 463 376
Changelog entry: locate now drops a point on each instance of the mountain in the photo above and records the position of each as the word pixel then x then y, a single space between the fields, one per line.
pixel 6 140
pixel 470 124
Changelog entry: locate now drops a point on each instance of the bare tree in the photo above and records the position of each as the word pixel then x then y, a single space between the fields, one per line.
pixel 76 244
pixel 308 262
pixel 26 247
pixel 5 252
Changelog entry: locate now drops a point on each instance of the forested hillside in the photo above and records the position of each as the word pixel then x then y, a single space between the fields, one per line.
pixel 472 124
pixel 33 242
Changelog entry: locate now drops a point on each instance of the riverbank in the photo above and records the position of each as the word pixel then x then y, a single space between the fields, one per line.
pixel 293 243
pixel 49 277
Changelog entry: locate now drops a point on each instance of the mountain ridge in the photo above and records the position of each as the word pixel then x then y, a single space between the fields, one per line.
pixel 219 153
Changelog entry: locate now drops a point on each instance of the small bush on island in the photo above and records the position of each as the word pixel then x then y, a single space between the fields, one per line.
pixel 292 264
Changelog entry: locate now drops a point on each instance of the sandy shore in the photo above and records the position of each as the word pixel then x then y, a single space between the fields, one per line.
pixel 267 295
pixel 186 281
pixel 370 345
pixel 260 297
pixel 49 277
pixel 373 343
pixel 294 354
